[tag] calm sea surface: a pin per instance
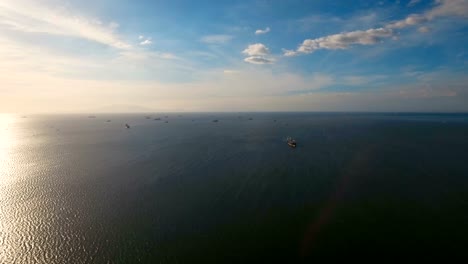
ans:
(78, 189)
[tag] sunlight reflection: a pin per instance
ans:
(6, 171)
(6, 145)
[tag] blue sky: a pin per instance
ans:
(256, 55)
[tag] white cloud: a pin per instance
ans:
(343, 40)
(257, 49)
(289, 53)
(32, 17)
(216, 39)
(413, 2)
(146, 42)
(258, 54)
(259, 60)
(262, 31)
(411, 20)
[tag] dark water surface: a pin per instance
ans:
(75, 189)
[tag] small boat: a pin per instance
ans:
(147, 117)
(127, 125)
(291, 142)
(108, 120)
(216, 121)
(250, 118)
(166, 122)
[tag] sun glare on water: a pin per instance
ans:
(6, 163)
(6, 145)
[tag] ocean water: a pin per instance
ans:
(79, 189)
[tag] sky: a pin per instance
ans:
(253, 55)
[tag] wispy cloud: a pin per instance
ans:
(216, 39)
(239, 82)
(34, 40)
(355, 80)
(146, 42)
(449, 8)
(443, 8)
(262, 31)
(230, 71)
(29, 16)
(361, 19)
(24, 61)
(258, 54)
(424, 29)
(342, 40)
(411, 20)
(413, 2)
(142, 55)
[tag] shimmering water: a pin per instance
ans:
(75, 189)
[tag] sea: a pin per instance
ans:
(183, 188)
